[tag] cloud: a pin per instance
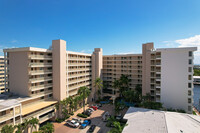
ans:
(14, 41)
(187, 42)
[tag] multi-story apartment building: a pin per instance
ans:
(116, 65)
(2, 75)
(38, 78)
(165, 73)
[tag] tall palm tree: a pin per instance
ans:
(76, 101)
(99, 84)
(71, 103)
(8, 129)
(124, 84)
(84, 92)
(26, 124)
(116, 85)
(33, 123)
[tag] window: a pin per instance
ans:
(189, 92)
(189, 100)
(189, 69)
(189, 108)
(189, 77)
(189, 85)
(190, 53)
(190, 61)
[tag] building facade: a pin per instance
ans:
(2, 76)
(38, 78)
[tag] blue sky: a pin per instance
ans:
(117, 26)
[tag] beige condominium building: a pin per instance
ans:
(38, 78)
(165, 73)
(2, 76)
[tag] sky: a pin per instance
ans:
(117, 26)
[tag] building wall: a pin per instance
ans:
(116, 65)
(59, 69)
(18, 64)
(2, 79)
(175, 78)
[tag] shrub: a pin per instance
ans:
(194, 113)
(59, 120)
(72, 113)
(82, 115)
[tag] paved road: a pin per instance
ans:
(95, 117)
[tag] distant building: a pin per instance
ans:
(196, 80)
(141, 120)
(2, 76)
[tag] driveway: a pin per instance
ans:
(96, 118)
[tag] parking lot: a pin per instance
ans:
(96, 119)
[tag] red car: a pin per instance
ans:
(94, 107)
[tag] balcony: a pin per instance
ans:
(78, 75)
(38, 72)
(9, 115)
(42, 93)
(78, 80)
(40, 57)
(35, 80)
(78, 86)
(40, 65)
(46, 117)
(38, 87)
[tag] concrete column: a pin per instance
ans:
(146, 67)
(14, 115)
(59, 69)
(97, 66)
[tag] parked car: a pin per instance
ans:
(87, 112)
(105, 116)
(90, 110)
(85, 123)
(94, 107)
(72, 123)
(92, 128)
(78, 120)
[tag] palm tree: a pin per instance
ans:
(117, 127)
(71, 103)
(33, 123)
(99, 84)
(8, 129)
(124, 83)
(48, 128)
(26, 124)
(76, 101)
(19, 128)
(84, 92)
(116, 85)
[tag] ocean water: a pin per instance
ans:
(196, 97)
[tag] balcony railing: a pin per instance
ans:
(39, 64)
(42, 93)
(34, 80)
(41, 86)
(39, 57)
(40, 72)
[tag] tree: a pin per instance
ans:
(84, 92)
(124, 84)
(8, 129)
(33, 123)
(117, 127)
(99, 84)
(20, 128)
(48, 128)
(71, 103)
(116, 84)
(118, 107)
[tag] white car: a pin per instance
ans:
(91, 109)
(73, 123)
(78, 120)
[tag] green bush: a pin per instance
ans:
(59, 120)
(194, 113)
(152, 105)
(82, 115)
(71, 113)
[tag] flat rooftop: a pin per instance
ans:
(142, 120)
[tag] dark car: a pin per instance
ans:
(92, 128)
(87, 112)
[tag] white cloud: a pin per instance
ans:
(191, 42)
(14, 41)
